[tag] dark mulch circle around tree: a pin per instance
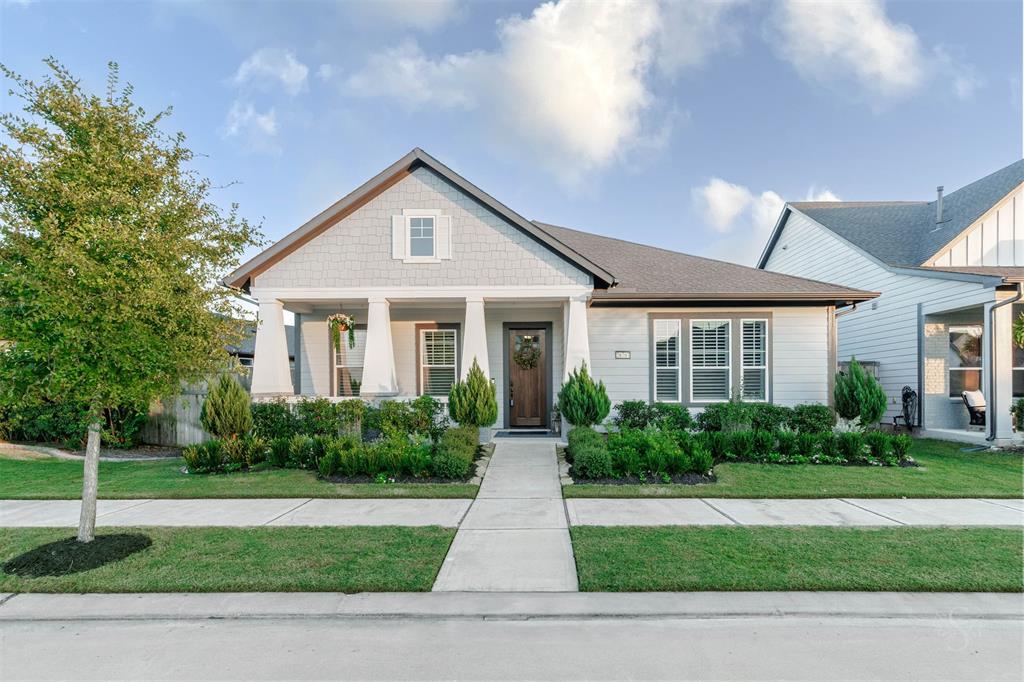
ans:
(65, 557)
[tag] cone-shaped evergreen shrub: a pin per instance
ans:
(581, 401)
(226, 411)
(473, 402)
(858, 395)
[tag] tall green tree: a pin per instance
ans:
(110, 248)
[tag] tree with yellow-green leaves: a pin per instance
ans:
(110, 249)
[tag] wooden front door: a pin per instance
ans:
(527, 377)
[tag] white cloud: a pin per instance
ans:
(325, 72)
(569, 85)
(840, 44)
(257, 130)
(425, 15)
(744, 219)
(691, 31)
(271, 66)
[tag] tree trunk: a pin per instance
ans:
(90, 484)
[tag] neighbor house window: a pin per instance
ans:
(437, 361)
(755, 359)
(348, 365)
(710, 372)
(1018, 359)
(964, 359)
(666, 356)
(421, 237)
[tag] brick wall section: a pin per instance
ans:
(939, 410)
(486, 250)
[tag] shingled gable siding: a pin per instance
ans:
(884, 330)
(798, 346)
(486, 250)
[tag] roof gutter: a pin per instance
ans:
(990, 424)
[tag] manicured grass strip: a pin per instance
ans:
(804, 558)
(52, 479)
(945, 471)
(380, 559)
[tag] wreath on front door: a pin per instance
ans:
(527, 353)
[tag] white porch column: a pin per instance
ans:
(270, 372)
(474, 338)
(1003, 389)
(577, 342)
(379, 361)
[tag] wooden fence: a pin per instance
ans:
(175, 420)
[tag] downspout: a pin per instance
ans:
(991, 408)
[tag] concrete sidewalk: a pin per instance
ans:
(521, 495)
(516, 535)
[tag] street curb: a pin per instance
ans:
(511, 606)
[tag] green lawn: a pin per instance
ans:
(350, 559)
(808, 558)
(945, 471)
(62, 479)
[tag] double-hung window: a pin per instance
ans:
(348, 365)
(754, 379)
(437, 361)
(666, 354)
(964, 359)
(421, 237)
(710, 360)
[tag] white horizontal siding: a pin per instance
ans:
(612, 329)
(800, 372)
(883, 330)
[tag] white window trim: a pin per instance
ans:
(423, 356)
(728, 365)
(679, 357)
(407, 215)
(767, 352)
(981, 383)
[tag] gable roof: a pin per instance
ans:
(623, 271)
(242, 277)
(649, 273)
(904, 233)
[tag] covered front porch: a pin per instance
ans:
(413, 343)
(971, 349)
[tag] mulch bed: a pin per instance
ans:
(65, 557)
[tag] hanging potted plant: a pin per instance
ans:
(340, 323)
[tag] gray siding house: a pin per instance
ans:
(437, 274)
(949, 272)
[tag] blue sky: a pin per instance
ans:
(680, 124)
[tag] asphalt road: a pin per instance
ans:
(757, 647)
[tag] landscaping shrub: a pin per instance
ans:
(579, 437)
(879, 445)
(768, 416)
(901, 446)
(639, 414)
(233, 451)
(428, 417)
(350, 413)
(859, 396)
(670, 416)
(656, 452)
(446, 465)
(275, 419)
(301, 452)
(455, 451)
(701, 461)
(763, 444)
(317, 417)
(395, 418)
(279, 450)
(255, 449)
(807, 444)
(734, 415)
(68, 424)
(329, 463)
(371, 423)
(788, 443)
(473, 402)
(715, 443)
(741, 445)
(626, 450)
(203, 458)
(812, 418)
(828, 444)
(226, 411)
(590, 458)
(851, 447)
(581, 401)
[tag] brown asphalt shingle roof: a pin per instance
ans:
(651, 273)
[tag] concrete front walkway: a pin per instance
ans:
(515, 537)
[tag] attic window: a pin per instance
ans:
(421, 237)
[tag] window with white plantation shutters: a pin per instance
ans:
(348, 365)
(437, 361)
(709, 360)
(666, 359)
(755, 359)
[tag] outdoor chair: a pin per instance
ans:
(975, 402)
